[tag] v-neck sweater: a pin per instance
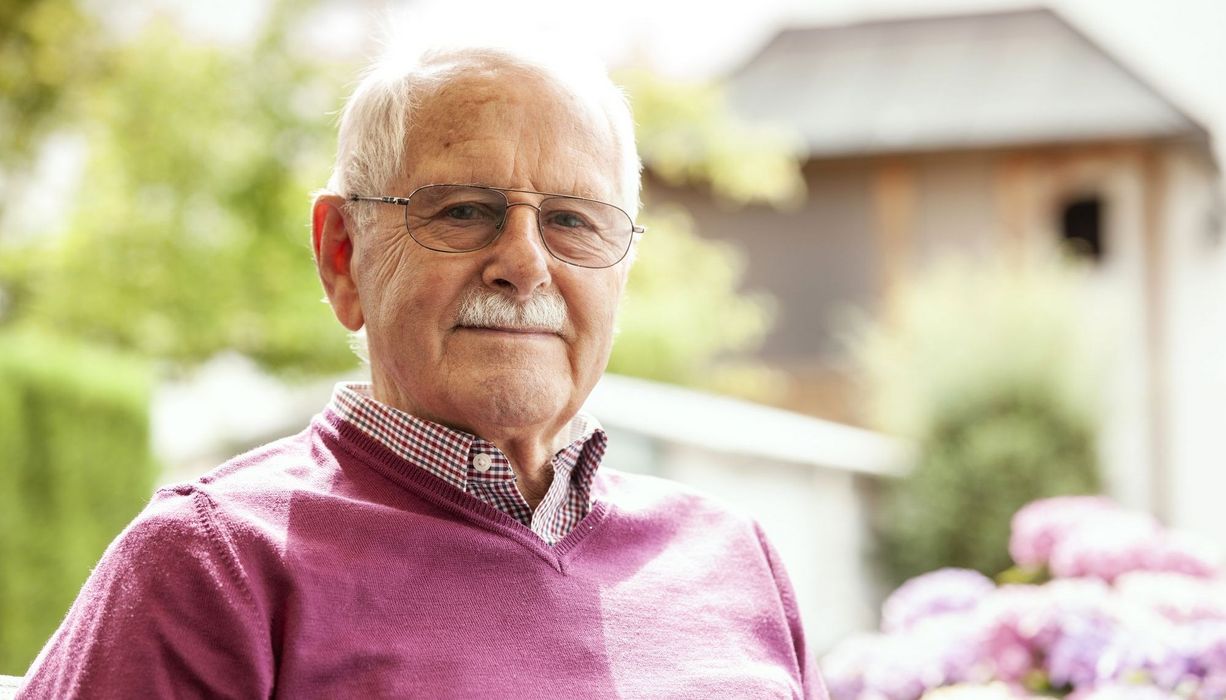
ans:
(324, 565)
(477, 466)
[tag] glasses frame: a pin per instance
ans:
(635, 230)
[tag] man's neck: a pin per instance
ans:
(533, 464)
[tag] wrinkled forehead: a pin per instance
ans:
(510, 126)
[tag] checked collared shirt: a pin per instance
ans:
(477, 467)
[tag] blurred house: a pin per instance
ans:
(1001, 133)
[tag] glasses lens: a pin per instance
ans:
(454, 218)
(585, 232)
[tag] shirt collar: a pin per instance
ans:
(457, 457)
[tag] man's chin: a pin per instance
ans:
(480, 351)
(508, 398)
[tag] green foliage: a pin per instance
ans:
(683, 316)
(46, 46)
(991, 370)
(686, 134)
(686, 319)
(74, 433)
(189, 234)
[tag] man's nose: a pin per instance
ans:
(519, 262)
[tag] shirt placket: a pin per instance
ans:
(545, 519)
(491, 478)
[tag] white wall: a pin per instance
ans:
(815, 518)
(1196, 316)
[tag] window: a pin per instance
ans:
(1081, 227)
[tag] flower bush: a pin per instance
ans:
(1103, 604)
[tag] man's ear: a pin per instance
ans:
(332, 243)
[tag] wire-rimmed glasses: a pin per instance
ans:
(463, 218)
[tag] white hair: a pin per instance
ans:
(378, 117)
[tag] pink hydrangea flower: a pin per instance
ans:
(1121, 691)
(875, 666)
(1156, 652)
(979, 691)
(1213, 687)
(1175, 596)
(937, 652)
(1134, 613)
(1073, 659)
(1038, 526)
(951, 647)
(1113, 543)
(1183, 553)
(935, 593)
(1205, 647)
(845, 666)
(1106, 545)
(1024, 623)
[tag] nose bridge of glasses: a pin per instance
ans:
(530, 205)
(506, 214)
(533, 228)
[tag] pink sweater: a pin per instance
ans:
(323, 565)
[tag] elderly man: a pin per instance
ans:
(449, 530)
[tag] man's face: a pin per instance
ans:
(511, 131)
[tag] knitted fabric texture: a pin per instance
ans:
(324, 565)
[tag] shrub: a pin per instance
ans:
(989, 370)
(74, 432)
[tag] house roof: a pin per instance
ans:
(1007, 78)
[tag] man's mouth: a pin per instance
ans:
(518, 330)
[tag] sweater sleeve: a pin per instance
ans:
(811, 679)
(167, 612)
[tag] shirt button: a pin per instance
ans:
(483, 462)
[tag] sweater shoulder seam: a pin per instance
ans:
(223, 547)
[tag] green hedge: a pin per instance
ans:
(74, 437)
(979, 465)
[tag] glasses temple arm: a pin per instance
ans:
(403, 201)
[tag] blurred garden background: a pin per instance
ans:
(910, 266)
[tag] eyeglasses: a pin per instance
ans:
(464, 218)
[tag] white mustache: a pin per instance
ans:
(485, 308)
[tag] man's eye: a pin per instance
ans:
(567, 219)
(467, 212)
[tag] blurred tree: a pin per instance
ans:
(991, 370)
(188, 235)
(46, 48)
(687, 135)
(685, 319)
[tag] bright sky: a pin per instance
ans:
(1177, 45)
